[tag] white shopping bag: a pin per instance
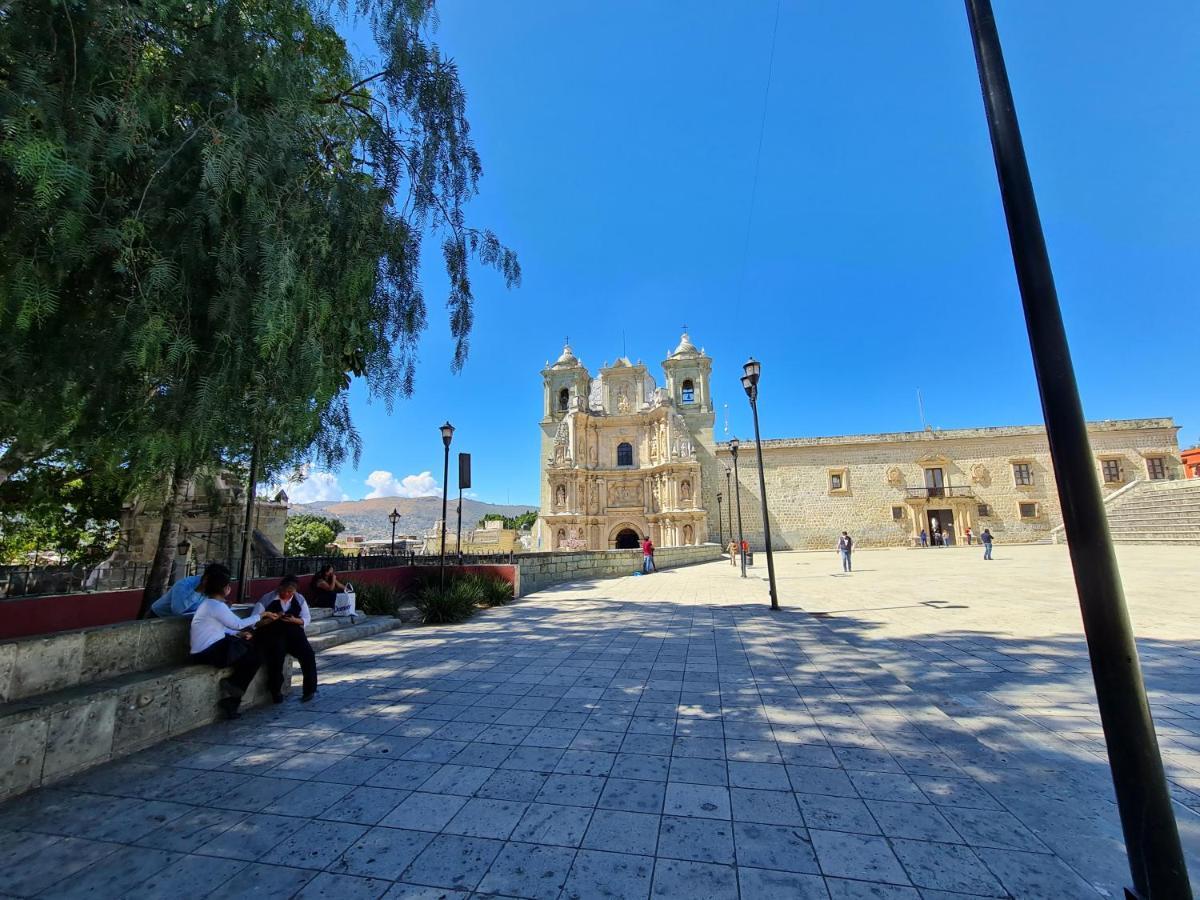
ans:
(343, 602)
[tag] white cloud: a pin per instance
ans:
(309, 486)
(385, 484)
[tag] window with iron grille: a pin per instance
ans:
(984, 510)
(897, 512)
(624, 454)
(1156, 467)
(1028, 510)
(1111, 469)
(1022, 474)
(835, 482)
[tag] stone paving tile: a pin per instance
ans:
(702, 840)
(188, 876)
(1035, 876)
(191, 830)
(633, 795)
(841, 889)
(857, 856)
(699, 771)
(622, 832)
(315, 845)
(702, 800)
(545, 823)
(776, 847)
(382, 853)
(838, 814)
(364, 805)
(453, 861)
(694, 880)
(946, 867)
(257, 881)
(327, 886)
(531, 871)
(116, 874)
(251, 837)
(763, 884)
(308, 800)
(596, 873)
(765, 807)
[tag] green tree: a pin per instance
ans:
(516, 523)
(211, 220)
(310, 535)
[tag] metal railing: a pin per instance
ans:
(935, 492)
(30, 581)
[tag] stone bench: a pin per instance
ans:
(71, 700)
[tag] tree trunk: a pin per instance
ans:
(168, 539)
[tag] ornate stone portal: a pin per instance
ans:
(623, 458)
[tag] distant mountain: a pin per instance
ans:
(417, 514)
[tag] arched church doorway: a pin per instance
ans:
(627, 539)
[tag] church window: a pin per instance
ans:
(1156, 468)
(1023, 474)
(564, 400)
(624, 454)
(689, 391)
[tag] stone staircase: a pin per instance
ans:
(324, 631)
(1156, 512)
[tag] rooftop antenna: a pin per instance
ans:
(921, 410)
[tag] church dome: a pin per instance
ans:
(685, 348)
(567, 360)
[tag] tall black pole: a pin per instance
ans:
(737, 487)
(393, 536)
(442, 556)
(762, 489)
(720, 521)
(729, 494)
(1151, 835)
(458, 539)
(248, 526)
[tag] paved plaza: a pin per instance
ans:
(923, 727)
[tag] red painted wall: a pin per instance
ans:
(28, 616)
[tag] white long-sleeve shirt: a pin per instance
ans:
(261, 606)
(213, 620)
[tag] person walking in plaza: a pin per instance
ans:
(284, 636)
(968, 535)
(945, 538)
(924, 538)
(845, 546)
(219, 638)
(732, 548)
(986, 540)
(647, 556)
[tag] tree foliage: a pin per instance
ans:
(211, 220)
(516, 523)
(310, 535)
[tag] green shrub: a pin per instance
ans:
(495, 591)
(443, 607)
(377, 599)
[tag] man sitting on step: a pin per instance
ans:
(284, 636)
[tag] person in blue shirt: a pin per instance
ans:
(186, 594)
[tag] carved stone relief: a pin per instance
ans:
(895, 477)
(625, 494)
(980, 474)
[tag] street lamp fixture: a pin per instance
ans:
(734, 443)
(751, 371)
(447, 433)
(394, 517)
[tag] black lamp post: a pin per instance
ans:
(729, 494)
(447, 434)
(752, 370)
(720, 521)
(734, 443)
(1151, 835)
(394, 517)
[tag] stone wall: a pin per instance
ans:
(539, 570)
(881, 473)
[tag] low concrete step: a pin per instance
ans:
(364, 627)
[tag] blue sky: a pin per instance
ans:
(619, 143)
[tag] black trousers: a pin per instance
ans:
(245, 659)
(279, 639)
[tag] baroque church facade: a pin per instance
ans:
(622, 458)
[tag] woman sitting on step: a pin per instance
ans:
(285, 635)
(219, 638)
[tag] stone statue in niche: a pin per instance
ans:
(594, 498)
(685, 490)
(654, 444)
(623, 404)
(593, 455)
(560, 496)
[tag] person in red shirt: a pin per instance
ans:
(647, 556)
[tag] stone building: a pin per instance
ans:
(885, 488)
(623, 458)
